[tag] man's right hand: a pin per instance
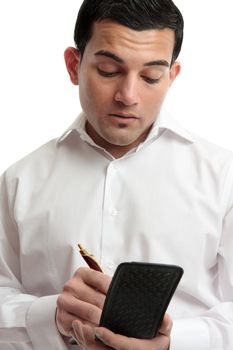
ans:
(82, 299)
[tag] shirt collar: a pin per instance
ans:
(164, 122)
(79, 126)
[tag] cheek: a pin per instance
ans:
(154, 99)
(94, 94)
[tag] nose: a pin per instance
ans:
(127, 91)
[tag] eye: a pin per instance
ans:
(107, 74)
(150, 80)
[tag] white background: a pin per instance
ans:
(38, 102)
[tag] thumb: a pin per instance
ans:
(166, 325)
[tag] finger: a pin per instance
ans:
(114, 341)
(95, 279)
(64, 322)
(117, 341)
(166, 325)
(77, 332)
(73, 307)
(88, 285)
(79, 289)
(90, 295)
(85, 335)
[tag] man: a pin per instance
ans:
(129, 183)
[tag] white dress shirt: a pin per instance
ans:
(170, 200)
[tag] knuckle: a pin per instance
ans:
(64, 301)
(93, 315)
(102, 282)
(100, 301)
(60, 301)
(69, 285)
(81, 272)
(60, 316)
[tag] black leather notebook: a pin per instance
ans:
(138, 297)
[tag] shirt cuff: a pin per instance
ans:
(189, 334)
(41, 325)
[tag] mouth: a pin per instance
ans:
(124, 116)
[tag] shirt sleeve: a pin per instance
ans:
(214, 329)
(191, 334)
(25, 319)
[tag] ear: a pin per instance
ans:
(72, 60)
(174, 71)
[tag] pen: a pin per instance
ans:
(90, 259)
(93, 264)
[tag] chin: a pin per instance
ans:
(119, 142)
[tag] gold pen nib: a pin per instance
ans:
(82, 250)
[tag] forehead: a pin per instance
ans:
(108, 35)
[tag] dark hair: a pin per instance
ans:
(135, 14)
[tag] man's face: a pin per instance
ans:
(123, 78)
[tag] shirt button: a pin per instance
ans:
(113, 212)
(111, 265)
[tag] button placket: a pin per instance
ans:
(111, 194)
(111, 212)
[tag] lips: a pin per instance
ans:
(124, 115)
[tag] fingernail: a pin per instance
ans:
(98, 337)
(73, 341)
(75, 337)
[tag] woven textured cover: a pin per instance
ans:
(138, 298)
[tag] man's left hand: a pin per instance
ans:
(86, 336)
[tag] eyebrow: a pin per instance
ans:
(121, 61)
